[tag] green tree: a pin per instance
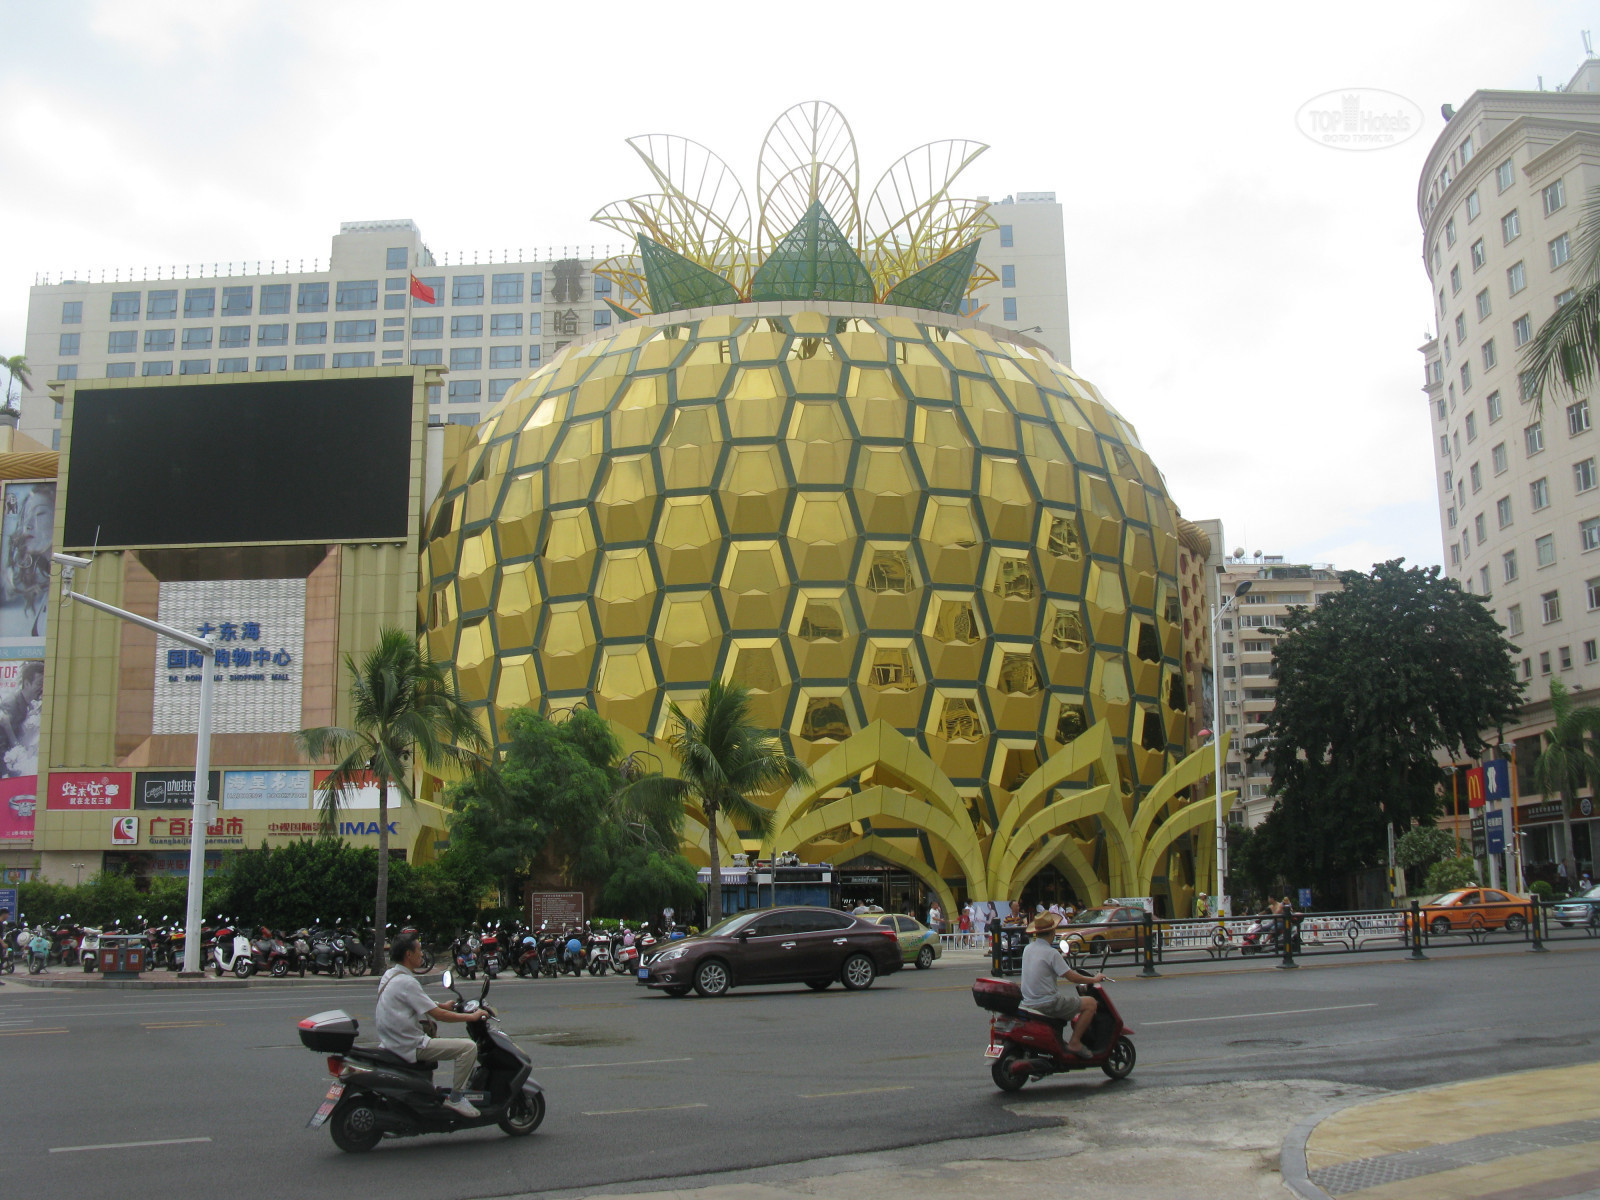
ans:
(1565, 354)
(1423, 846)
(1568, 760)
(1373, 684)
(1448, 874)
(404, 708)
(643, 881)
(16, 369)
(724, 762)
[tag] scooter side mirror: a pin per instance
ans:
(448, 980)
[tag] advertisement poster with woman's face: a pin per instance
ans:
(27, 537)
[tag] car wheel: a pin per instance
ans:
(1097, 946)
(819, 985)
(711, 978)
(924, 958)
(1004, 1077)
(1439, 927)
(858, 973)
(354, 1126)
(1516, 923)
(677, 990)
(1123, 1056)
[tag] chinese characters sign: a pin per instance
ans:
(266, 789)
(169, 789)
(258, 627)
(78, 791)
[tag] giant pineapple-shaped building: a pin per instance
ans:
(940, 560)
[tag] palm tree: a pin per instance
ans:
(15, 367)
(404, 708)
(1566, 350)
(1569, 759)
(723, 762)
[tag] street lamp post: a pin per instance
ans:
(202, 756)
(1219, 723)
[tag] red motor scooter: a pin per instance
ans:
(1027, 1046)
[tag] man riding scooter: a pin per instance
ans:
(403, 1007)
(1042, 966)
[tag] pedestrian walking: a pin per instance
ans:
(935, 918)
(1561, 875)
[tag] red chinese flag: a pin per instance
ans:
(421, 290)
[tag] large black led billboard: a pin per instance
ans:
(275, 461)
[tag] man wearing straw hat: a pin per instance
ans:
(1042, 966)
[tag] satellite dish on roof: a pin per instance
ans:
(1239, 553)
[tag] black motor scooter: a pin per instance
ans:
(376, 1094)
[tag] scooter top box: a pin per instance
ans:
(996, 995)
(331, 1032)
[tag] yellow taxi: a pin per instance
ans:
(1475, 908)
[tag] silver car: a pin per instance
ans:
(1582, 909)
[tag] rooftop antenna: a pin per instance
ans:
(1588, 46)
(1541, 83)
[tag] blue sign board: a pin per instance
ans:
(8, 903)
(1305, 899)
(1495, 829)
(1496, 781)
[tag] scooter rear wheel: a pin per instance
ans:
(524, 1114)
(280, 969)
(1123, 1056)
(354, 1126)
(1005, 1078)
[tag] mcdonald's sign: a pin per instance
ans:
(1475, 791)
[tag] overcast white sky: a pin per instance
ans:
(1250, 300)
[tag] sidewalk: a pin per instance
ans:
(1534, 1135)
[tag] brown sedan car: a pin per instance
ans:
(814, 946)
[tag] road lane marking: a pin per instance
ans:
(1282, 1012)
(149, 1025)
(28, 1032)
(617, 1112)
(638, 1062)
(128, 1145)
(853, 1092)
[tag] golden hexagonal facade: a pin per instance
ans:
(863, 512)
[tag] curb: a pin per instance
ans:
(1292, 1158)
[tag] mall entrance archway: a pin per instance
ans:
(871, 881)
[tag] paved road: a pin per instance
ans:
(645, 1087)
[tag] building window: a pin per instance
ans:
(232, 366)
(1479, 254)
(272, 335)
(1455, 442)
(1476, 477)
(67, 344)
(1508, 565)
(199, 303)
(427, 358)
(1474, 207)
(1005, 237)
(353, 358)
(1483, 580)
(312, 298)
(393, 355)
(466, 391)
(1008, 308)
(310, 333)
(498, 389)
(1578, 418)
(122, 370)
(1516, 278)
(195, 366)
(535, 323)
(436, 282)
(395, 258)
(1583, 475)
(66, 371)
(1565, 298)
(602, 318)
(1554, 197)
(461, 419)
(394, 335)
(1544, 549)
(356, 295)
(427, 328)
(1521, 331)
(1439, 407)
(238, 301)
(508, 289)
(466, 327)
(1444, 445)
(1503, 176)
(234, 337)
(1493, 404)
(158, 368)
(1592, 586)
(1550, 604)
(1533, 438)
(394, 301)
(1502, 512)
(124, 306)
(1564, 657)
(1450, 515)
(1472, 428)
(161, 305)
(1481, 527)
(1589, 534)
(1539, 489)
(1483, 304)
(466, 358)
(534, 354)
(274, 299)
(466, 289)
(1544, 662)
(158, 341)
(1461, 328)
(1560, 252)
(122, 342)
(536, 286)
(1455, 280)
(1510, 226)
(197, 339)
(505, 324)
(1466, 378)
(1008, 276)
(1450, 232)
(1591, 649)
(355, 331)
(504, 357)
(72, 312)
(1514, 620)
(1498, 458)
(1455, 555)
(309, 362)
